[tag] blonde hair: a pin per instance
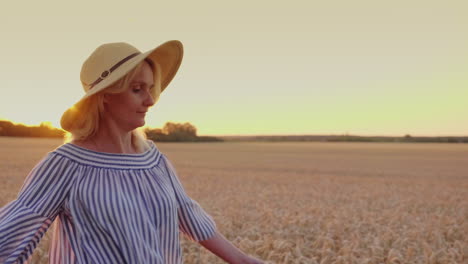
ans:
(82, 120)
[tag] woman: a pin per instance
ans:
(114, 196)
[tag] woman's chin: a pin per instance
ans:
(135, 125)
(141, 123)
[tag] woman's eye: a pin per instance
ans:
(136, 89)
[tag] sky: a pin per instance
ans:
(371, 68)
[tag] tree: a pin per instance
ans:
(185, 129)
(173, 132)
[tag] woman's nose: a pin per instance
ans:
(149, 101)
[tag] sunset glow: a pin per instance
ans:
(297, 67)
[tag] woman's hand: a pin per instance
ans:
(224, 249)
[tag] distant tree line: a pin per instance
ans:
(186, 132)
(346, 138)
(406, 138)
(171, 132)
(45, 129)
(177, 132)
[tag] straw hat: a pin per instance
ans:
(111, 61)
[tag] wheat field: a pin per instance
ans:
(309, 202)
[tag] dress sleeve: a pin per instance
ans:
(25, 220)
(193, 220)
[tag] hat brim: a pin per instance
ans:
(168, 55)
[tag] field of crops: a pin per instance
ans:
(309, 202)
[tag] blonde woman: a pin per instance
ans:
(114, 196)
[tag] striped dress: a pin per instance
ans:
(108, 208)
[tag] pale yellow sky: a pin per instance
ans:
(255, 67)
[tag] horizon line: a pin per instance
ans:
(330, 134)
(266, 135)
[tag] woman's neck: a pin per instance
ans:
(113, 139)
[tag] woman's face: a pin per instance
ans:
(128, 108)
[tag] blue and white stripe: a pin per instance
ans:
(107, 208)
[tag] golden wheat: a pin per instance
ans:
(309, 202)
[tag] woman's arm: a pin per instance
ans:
(199, 226)
(25, 220)
(224, 249)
